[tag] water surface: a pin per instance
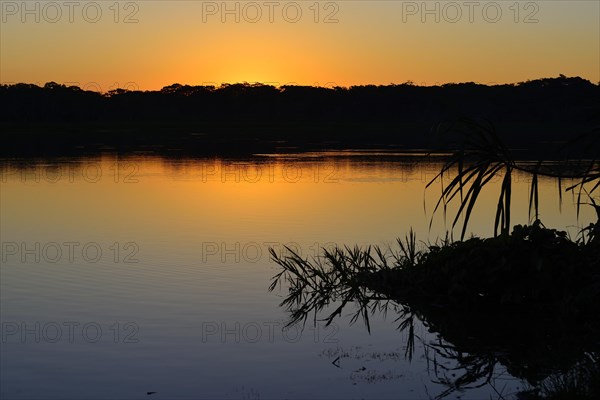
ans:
(127, 275)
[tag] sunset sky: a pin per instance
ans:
(151, 44)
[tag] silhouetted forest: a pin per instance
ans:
(257, 117)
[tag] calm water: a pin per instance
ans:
(122, 276)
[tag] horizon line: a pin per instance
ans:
(132, 86)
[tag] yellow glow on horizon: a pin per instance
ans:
(368, 43)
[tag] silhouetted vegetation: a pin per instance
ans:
(528, 299)
(480, 155)
(256, 117)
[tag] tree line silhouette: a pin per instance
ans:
(529, 112)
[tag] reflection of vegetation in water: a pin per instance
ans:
(582, 381)
(528, 300)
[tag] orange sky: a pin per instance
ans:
(151, 44)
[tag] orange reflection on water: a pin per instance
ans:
(344, 199)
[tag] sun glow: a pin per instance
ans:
(364, 43)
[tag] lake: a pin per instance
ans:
(123, 276)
